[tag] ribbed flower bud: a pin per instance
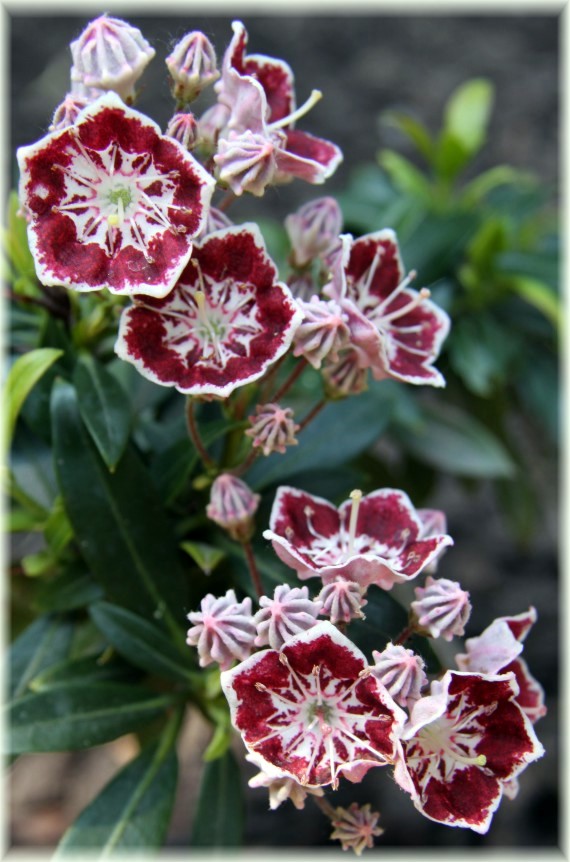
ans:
(272, 428)
(289, 612)
(223, 630)
(232, 506)
(345, 376)
(184, 129)
(313, 229)
(401, 671)
(192, 66)
(342, 601)
(322, 332)
(67, 112)
(355, 827)
(246, 162)
(442, 608)
(110, 55)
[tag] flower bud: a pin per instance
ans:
(401, 671)
(67, 112)
(289, 612)
(272, 428)
(442, 608)
(110, 55)
(184, 129)
(355, 827)
(223, 630)
(322, 331)
(246, 161)
(342, 601)
(345, 376)
(232, 506)
(313, 229)
(192, 66)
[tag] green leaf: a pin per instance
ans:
(16, 239)
(104, 408)
(118, 521)
(76, 716)
(73, 589)
(482, 353)
(467, 113)
(219, 817)
(44, 643)
(474, 192)
(405, 175)
(140, 642)
(451, 156)
(541, 296)
(58, 531)
(205, 556)
(23, 376)
(38, 564)
(133, 810)
(540, 265)
(80, 670)
(413, 129)
(451, 440)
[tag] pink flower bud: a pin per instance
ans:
(342, 601)
(322, 332)
(288, 613)
(184, 129)
(355, 827)
(223, 630)
(67, 112)
(272, 428)
(232, 506)
(246, 161)
(192, 66)
(345, 376)
(313, 229)
(401, 671)
(442, 608)
(110, 55)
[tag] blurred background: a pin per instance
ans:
(505, 524)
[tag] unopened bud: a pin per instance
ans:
(232, 506)
(192, 66)
(67, 112)
(313, 229)
(184, 129)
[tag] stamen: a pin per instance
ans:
(424, 293)
(315, 97)
(356, 497)
(403, 284)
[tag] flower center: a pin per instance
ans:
(442, 741)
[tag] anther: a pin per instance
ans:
(356, 497)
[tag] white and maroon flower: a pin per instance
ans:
(225, 322)
(370, 540)
(401, 671)
(463, 746)
(342, 600)
(110, 54)
(223, 629)
(442, 608)
(272, 428)
(322, 332)
(288, 613)
(112, 203)
(355, 827)
(232, 506)
(313, 229)
(399, 330)
(498, 648)
(192, 66)
(312, 711)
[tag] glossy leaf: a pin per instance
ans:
(21, 379)
(205, 556)
(413, 129)
(104, 408)
(132, 811)
(405, 176)
(76, 716)
(74, 588)
(45, 642)
(467, 113)
(140, 642)
(89, 669)
(541, 296)
(219, 817)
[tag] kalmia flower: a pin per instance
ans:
(232, 506)
(246, 162)
(342, 601)
(498, 648)
(225, 322)
(110, 202)
(192, 66)
(223, 630)
(346, 376)
(401, 671)
(110, 55)
(68, 111)
(369, 540)
(463, 746)
(312, 710)
(288, 613)
(434, 523)
(281, 788)
(442, 608)
(272, 428)
(355, 827)
(313, 229)
(184, 129)
(321, 333)
(399, 331)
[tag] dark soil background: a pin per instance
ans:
(364, 64)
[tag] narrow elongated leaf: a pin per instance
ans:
(44, 643)
(118, 521)
(413, 129)
(73, 589)
(78, 716)
(81, 670)
(23, 376)
(219, 818)
(405, 176)
(141, 642)
(104, 408)
(468, 111)
(132, 811)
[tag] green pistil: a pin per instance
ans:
(122, 195)
(320, 710)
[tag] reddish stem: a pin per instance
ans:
(325, 806)
(312, 413)
(406, 632)
(249, 556)
(286, 386)
(195, 434)
(226, 202)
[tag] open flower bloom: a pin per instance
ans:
(498, 648)
(111, 202)
(225, 322)
(312, 711)
(369, 540)
(399, 330)
(254, 122)
(464, 744)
